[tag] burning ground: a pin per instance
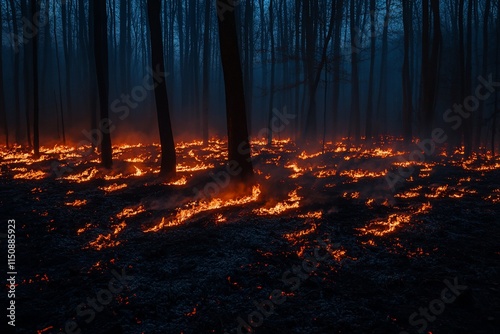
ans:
(196, 266)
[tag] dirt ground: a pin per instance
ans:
(350, 256)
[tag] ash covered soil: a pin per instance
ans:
(382, 255)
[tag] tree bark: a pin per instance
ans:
(206, 74)
(3, 112)
(373, 45)
(101, 60)
(36, 135)
(168, 159)
(406, 81)
(238, 139)
(354, 128)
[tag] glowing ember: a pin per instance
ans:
(29, 175)
(84, 176)
(106, 241)
(291, 203)
(305, 156)
(194, 208)
(41, 331)
(184, 168)
(180, 182)
(130, 212)
(113, 187)
(392, 223)
(314, 214)
(412, 193)
(220, 218)
(438, 192)
(138, 172)
(77, 203)
(353, 195)
(296, 235)
(84, 229)
(359, 174)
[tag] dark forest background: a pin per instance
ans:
(357, 68)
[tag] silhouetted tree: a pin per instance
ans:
(206, 73)
(431, 52)
(373, 49)
(238, 139)
(101, 60)
(354, 127)
(382, 87)
(168, 161)
(406, 81)
(3, 112)
(36, 137)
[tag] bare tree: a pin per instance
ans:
(101, 60)
(406, 81)
(168, 161)
(3, 112)
(238, 139)
(206, 73)
(36, 136)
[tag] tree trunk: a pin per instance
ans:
(354, 128)
(36, 139)
(273, 73)
(101, 60)
(16, 44)
(206, 73)
(486, 40)
(468, 140)
(238, 140)
(373, 46)
(430, 63)
(406, 81)
(337, 59)
(3, 112)
(26, 72)
(59, 80)
(168, 159)
(67, 57)
(382, 93)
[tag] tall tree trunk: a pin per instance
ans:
(92, 71)
(238, 140)
(468, 140)
(36, 139)
(486, 50)
(206, 73)
(337, 60)
(431, 54)
(3, 111)
(273, 73)
(59, 80)
(168, 159)
(354, 128)
(16, 44)
(382, 93)
(27, 66)
(124, 31)
(373, 48)
(101, 60)
(249, 56)
(67, 57)
(406, 81)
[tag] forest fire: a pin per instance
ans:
(194, 208)
(291, 203)
(267, 166)
(107, 241)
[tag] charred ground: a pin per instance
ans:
(390, 252)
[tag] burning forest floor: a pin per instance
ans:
(205, 266)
